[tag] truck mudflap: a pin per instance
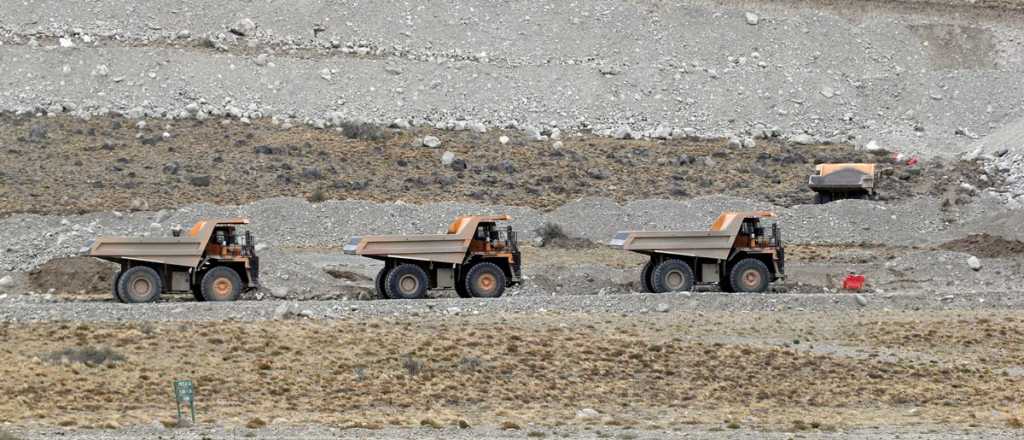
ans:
(254, 272)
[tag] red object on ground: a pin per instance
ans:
(912, 161)
(853, 282)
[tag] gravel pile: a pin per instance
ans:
(908, 79)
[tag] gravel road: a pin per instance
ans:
(30, 309)
(910, 78)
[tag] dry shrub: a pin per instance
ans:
(86, 355)
(363, 131)
(412, 365)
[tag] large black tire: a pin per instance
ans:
(221, 284)
(485, 280)
(672, 276)
(117, 277)
(407, 281)
(750, 275)
(645, 277)
(197, 292)
(378, 283)
(139, 284)
(460, 288)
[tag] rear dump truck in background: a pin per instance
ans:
(837, 181)
(476, 257)
(741, 253)
(214, 260)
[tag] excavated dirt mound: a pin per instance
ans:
(985, 246)
(64, 165)
(73, 275)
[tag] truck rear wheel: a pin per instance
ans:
(460, 288)
(645, 277)
(378, 283)
(139, 284)
(750, 275)
(117, 277)
(672, 276)
(485, 280)
(221, 284)
(407, 281)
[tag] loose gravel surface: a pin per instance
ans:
(913, 76)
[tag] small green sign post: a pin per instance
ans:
(184, 393)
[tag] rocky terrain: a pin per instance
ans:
(322, 120)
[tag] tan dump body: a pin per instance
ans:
(186, 251)
(715, 243)
(442, 248)
(843, 176)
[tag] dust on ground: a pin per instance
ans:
(765, 370)
(63, 165)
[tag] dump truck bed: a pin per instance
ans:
(442, 248)
(445, 248)
(176, 251)
(844, 176)
(707, 244)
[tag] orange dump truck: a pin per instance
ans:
(836, 181)
(476, 257)
(215, 261)
(740, 253)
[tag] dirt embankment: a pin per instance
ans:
(64, 165)
(986, 246)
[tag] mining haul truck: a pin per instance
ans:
(214, 261)
(836, 181)
(739, 253)
(476, 257)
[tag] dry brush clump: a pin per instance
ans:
(88, 355)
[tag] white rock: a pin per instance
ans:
(243, 27)
(478, 127)
(802, 139)
(974, 263)
(503, 140)
(262, 59)
(66, 42)
(557, 145)
(279, 292)
(431, 142)
(6, 282)
(828, 92)
(447, 158)
(872, 146)
(587, 413)
(861, 300)
(402, 124)
(102, 70)
(622, 132)
(662, 308)
(752, 18)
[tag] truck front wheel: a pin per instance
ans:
(221, 284)
(485, 280)
(672, 276)
(407, 281)
(139, 284)
(750, 275)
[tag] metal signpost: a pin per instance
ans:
(184, 393)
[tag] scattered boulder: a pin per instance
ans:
(974, 263)
(503, 140)
(662, 308)
(447, 158)
(622, 132)
(802, 139)
(861, 300)
(597, 173)
(587, 414)
(6, 282)
(243, 27)
(431, 142)
(752, 18)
